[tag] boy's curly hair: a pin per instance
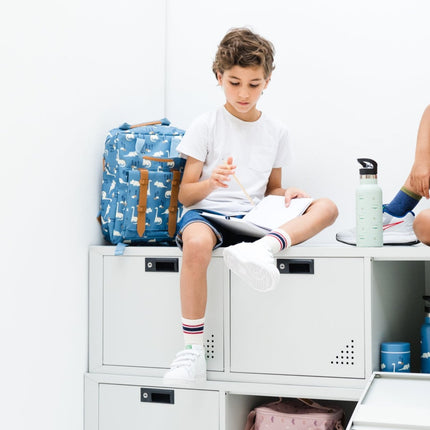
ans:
(242, 47)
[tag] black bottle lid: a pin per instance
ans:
(370, 167)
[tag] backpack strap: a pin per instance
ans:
(141, 208)
(173, 207)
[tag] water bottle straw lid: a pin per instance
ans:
(370, 167)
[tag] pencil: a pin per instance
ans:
(242, 187)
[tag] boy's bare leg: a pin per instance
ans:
(189, 365)
(320, 214)
(198, 243)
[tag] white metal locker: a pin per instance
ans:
(141, 312)
(129, 407)
(311, 325)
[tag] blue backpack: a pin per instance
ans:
(141, 175)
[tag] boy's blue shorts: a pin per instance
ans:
(224, 237)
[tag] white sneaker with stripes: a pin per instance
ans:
(396, 231)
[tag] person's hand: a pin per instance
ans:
(222, 174)
(293, 193)
(420, 178)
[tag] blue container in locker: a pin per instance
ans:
(395, 357)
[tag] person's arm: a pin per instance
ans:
(192, 190)
(274, 187)
(420, 173)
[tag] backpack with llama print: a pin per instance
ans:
(141, 175)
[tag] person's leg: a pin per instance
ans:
(422, 226)
(404, 201)
(198, 239)
(198, 242)
(254, 262)
(320, 214)
(412, 191)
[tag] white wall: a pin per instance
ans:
(70, 71)
(352, 80)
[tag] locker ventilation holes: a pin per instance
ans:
(210, 346)
(345, 357)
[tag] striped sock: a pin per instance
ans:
(193, 331)
(276, 240)
(404, 201)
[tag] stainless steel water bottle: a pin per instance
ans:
(425, 338)
(368, 204)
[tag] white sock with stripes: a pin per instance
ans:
(275, 241)
(193, 331)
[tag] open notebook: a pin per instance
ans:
(268, 214)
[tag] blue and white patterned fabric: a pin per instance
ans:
(125, 149)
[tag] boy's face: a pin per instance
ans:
(242, 88)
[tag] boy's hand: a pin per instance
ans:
(222, 174)
(293, 193)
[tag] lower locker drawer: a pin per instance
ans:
(126, 407)
(311, 325)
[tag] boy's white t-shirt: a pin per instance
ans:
(256, 147)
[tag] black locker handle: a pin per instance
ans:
(296, 266)
(154, 395)
(161, 265)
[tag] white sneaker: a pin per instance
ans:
(189, 365)
(254, 264)
(396, 231)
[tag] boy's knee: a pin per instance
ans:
(197, 248)
(422, 226)
(329, 209)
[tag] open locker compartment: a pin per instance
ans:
(393, 401)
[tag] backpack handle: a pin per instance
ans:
(163, 121)
(315, 405)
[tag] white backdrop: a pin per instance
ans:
(352, 80)
(70, 71)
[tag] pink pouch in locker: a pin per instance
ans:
(297, 414)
